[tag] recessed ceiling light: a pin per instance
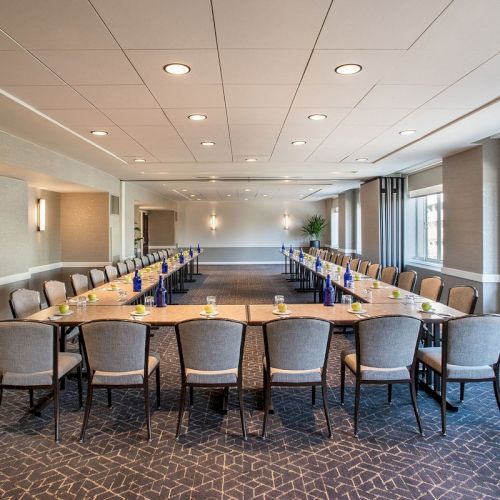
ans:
(250, 159)
(286, 180)
(361, 159)
(197, 117)
(207, 143)
(348, 69)
(198, 199)
(246, 199)
(317, 117)
(139, 160)
(228, 195)
(298, 143)
(407, 132)
(184, 190)
(265, 195)
(335, 172)
(192, 195)
(143, 172)
(177, 69)
(163, 184)
(213, 180)
(99, 132)
(311, 189)
(247, 190)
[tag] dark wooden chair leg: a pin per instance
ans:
(342, 382)
(88, 404)
(462, 391)
(182, 402)
(80, 389)
(32, 402)
(443, 406)
(389, 393)
(191, 396)
(56, 409)
(242, 410)
(109, 398)
(356, 407)
(496, 389)
(267, 399)
(147, 407)
(1, 396)
(158, 385)
(324, 393)
(413, 393)
(313, 395)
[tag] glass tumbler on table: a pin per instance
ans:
(149, 302)
(81, 301)
(347, 299)
(211, 304)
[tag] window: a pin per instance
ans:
(428, 212)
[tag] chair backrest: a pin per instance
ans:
(387, 341)
(389, 275)
(472, 341)
(345, 260)
(463, 298)
(55, 292)
(122, 268)
(210, 345)
(156, 256)
(363, 267)
(355, 264)
(297, 343)
(27, 346)
(24, 303)
(407, 280)
(431, 288)
(373, 270)
(97, 277)
(145, 261)
(151, 258)
(339, 258)
(79, 283)
(115, 345)
(130, 265)
(138, 263)
(312, 251)
(111, 273)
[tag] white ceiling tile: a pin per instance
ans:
(90, 67)
(280, 24)
(204, 64)
(335, 95)
(55, 25)
(263, 67)
(384, 24)
(125, 117)
(254, 140)
(159, 24)
(373, 116)
(24, 69)
(399, 96)
(118, 96)
(7, 44)
(259, 95)
(188, 96)
(49, 96)
(90, 118)
(256, 116)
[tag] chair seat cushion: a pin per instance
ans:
(125, 378)
(373, 373)
(221, 377)
(431, 356)
(280, 375)
(66, 362)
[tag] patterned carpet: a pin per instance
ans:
(389, 460)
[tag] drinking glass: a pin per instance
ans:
(278, 299)
(409, 299)
(368, 295)
(347, 299)
(122, 294)
(81, 301)
(149, 302)
(211, 301)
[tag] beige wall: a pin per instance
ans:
(85, 227)
(161, 228)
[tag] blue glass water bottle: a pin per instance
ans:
(199, 248)
(181, 258)
(301, 256)
(291, 249)
(191, 251)
(347, 276)
(318, 264)
(164, 266)
(161, 294)
(137, 282)
(283, 247)
(328, 292)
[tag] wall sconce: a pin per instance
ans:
(40, 214)
(286, 220)
(213, 222)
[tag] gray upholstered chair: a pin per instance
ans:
(145, 261)
(345, 260)
(117, 355)
(296, 354)
(385, 353)
(156, 256)
(211, 355)
(138, 263)
(355, 264)
(389, 275)
(463, 298)
(339, 258)
(122, 268)
(29, 360)
(373, 271)
(111, 273)
(431, 288)
(470, 352)
(151, 258)
(130, 265)
(363, 267)
(407, 280)
(97, 277)
(79, 283)
(24, 303)
(55, 292)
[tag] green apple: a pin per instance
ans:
(426, 306)
(282, 307)
(396, 294)
(92, 297)
(63, 308)
(376, 284)
(140, 308)
(114, 286)
(357, 277)
(356, 306)
(339, 269)
(128, 280)
(209, 308)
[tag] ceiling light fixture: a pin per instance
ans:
(265, 195)
(361, 159)
(246, 199)
(407, 132)
(348, 69)
(311, 189)
(250, 159)
(197, 117)
(177, 69)
(207, 143)
(228, 195)
(317, 117)
(247, 190)
(139, 160)
(298, 143)
(99, 132)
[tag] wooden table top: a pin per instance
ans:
(159, 316)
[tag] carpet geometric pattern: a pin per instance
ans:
(388, 460)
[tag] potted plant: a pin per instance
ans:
(313, 228)
(137, 241)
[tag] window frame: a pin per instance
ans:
(421, 238)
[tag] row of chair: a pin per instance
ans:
(463, 297)
(117, 356)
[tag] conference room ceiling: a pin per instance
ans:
(259, 69)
